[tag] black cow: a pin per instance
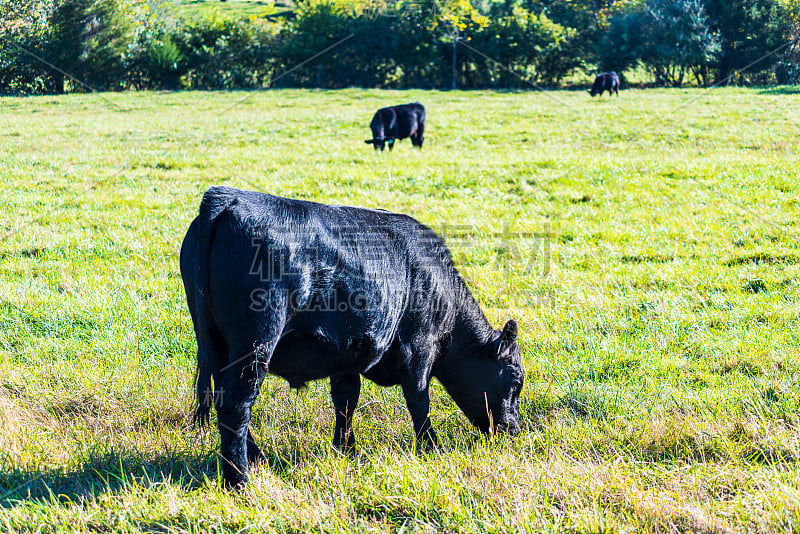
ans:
(607, 81)
(397, 122)
(307, 291)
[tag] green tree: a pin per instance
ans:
(588, 20)
(24, 27)
(88, 39)
(751, 31)
(526, 44)
(456, 20)
(216, 52)
(679, 41)
(622, 42)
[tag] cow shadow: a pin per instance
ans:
(119, 470)
(781, 90)
(102, 474)
(114, 472)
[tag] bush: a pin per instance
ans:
(411, 47)
(529, 45)
(165, 61)
(787, 73)
(218, 52)
(366, 59)
(20, 72)
(24, 29)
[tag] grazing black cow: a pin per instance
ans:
(607, 81)
(307, 291)
(397, 122)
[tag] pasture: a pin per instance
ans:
(242, 9)
(648, 247)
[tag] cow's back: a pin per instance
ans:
(409, 118)
(610, 80)
(338, 282)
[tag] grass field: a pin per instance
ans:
(648, 246)
(243, 9)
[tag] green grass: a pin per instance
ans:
(648, 246)
(243, 9)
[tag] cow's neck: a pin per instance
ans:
(471, 330)
(461, 369)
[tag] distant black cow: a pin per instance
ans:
(607, 81)
(307, 291)
(398, 122)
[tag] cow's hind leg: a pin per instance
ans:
(241, 382)
(344, 392)
(418, 136)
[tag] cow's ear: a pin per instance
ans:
(507, 337)
(510, 331)
(369, 141)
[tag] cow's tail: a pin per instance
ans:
(210, 360)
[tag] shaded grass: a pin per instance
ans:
(647, 246)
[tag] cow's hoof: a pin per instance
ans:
(426, 447)
(235, 483)
(347, 446)
(254, 454)
(427, 443)
(233, 479)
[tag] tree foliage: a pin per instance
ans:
(118, 44)
(751, 31)
(680, 41)
(24, 30)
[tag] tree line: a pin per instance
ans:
(54, 46)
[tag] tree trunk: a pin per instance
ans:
(455, 45)
(59, 79)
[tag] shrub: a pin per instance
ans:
(165, 62)
(219, 52)
(527, 44)
(362, 60)
(24, 29)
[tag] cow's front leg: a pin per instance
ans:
(391, 144)
(240, 389)
(418, 402)
(344, 392)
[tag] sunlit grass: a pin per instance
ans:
(647, 245)
(243, 9)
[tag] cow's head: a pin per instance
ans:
(380, 144)
(489, 383)
(592, 91)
